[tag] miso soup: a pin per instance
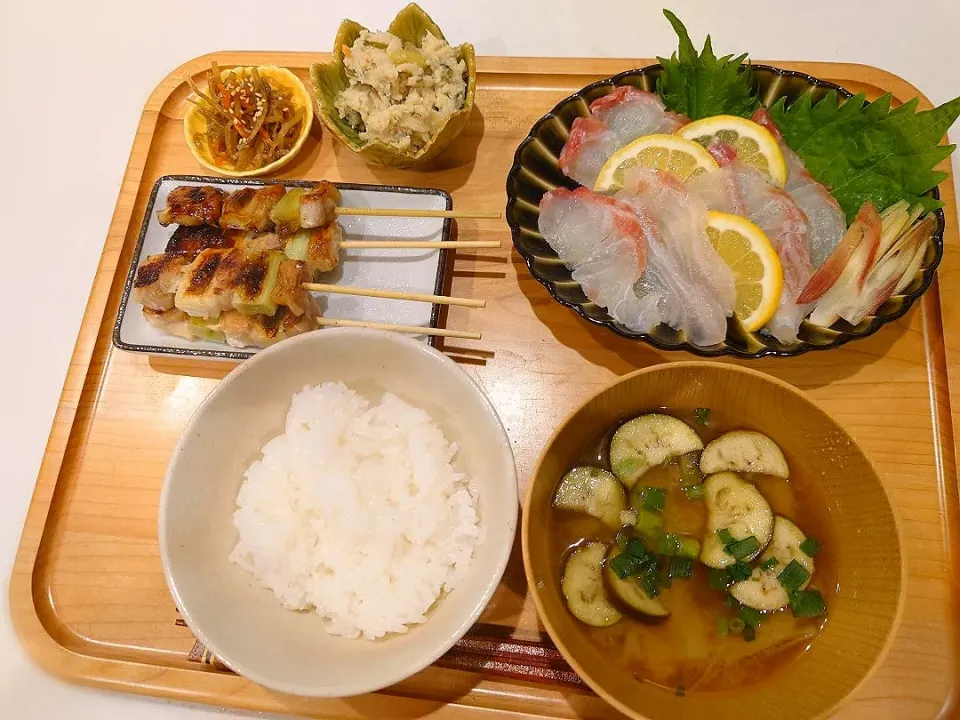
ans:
(637, 578)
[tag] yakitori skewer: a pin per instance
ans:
(285, 210)
(418, 213)
(418, 244)
(413, 329)
(394, 295)
(240, 267)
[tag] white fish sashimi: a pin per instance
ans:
(589, 146)
(827, 220)
(741, 190)
(631, 113)
(828, 223)
(615, 120)
(682, 220)
(693, 287)
(604, 244)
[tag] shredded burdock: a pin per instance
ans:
(251, 120)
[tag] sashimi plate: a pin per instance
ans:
(536, 170)
(410, 270)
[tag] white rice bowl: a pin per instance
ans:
(356, 512)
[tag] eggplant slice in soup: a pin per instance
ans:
(648, 441)
(763, 590)
(629, 592)
(592, 491)
(737, 507)
(583, 589)
(744, 451)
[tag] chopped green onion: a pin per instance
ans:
(654, 498)
(810, 546)
(751, 618)
(636, 548)
(732, 602)
(749, 634)
(681, 567)
(703, 414)
(649, 565)
(664, 579)
(668, 544)
(649, 523)
(725, 537)
(740, 571)
(689, 465)
(718, 579)
(808, 603)
(769, 564)
(736, 626)
(694, 492)
(689, 546)
(621, 540)
(681, 691)
(624, 565)
(678, 545)
(650, 586)
(793, 576)
(743, 548)
(722, 627)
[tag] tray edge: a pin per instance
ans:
(75, 667)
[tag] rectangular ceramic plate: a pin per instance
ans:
(418, 271)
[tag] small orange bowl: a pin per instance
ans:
(864, 543)
(194, 123)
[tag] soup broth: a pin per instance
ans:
(685, 652)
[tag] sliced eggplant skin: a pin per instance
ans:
(762, 591)
(629, 593)
(583, 588)
(744, 451)
(648, 441)
(593, 491)
(736, 505)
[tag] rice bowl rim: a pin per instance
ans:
(505, 535)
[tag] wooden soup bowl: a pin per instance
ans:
(864, 538)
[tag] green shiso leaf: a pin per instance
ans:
(700, 85)
(866, 151)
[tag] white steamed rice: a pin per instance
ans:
(356, 512)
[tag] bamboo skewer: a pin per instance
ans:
(415, 212)
(418, 244)
(394, 295)
(442, 332)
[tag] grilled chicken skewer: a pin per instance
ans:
(272, 206)
(232, 327)
(238, 267)
(222, 279)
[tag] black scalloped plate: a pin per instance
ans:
(535, 171)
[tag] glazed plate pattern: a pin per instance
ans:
(536, 171)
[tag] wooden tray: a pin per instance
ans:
(87, 595)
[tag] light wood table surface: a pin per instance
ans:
(78, 75)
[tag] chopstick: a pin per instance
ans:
(418, 244)
(415, 212)
(394, 295)
(442, 332)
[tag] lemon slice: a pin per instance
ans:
(755, 264)
(755, 145)
(680, 157)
